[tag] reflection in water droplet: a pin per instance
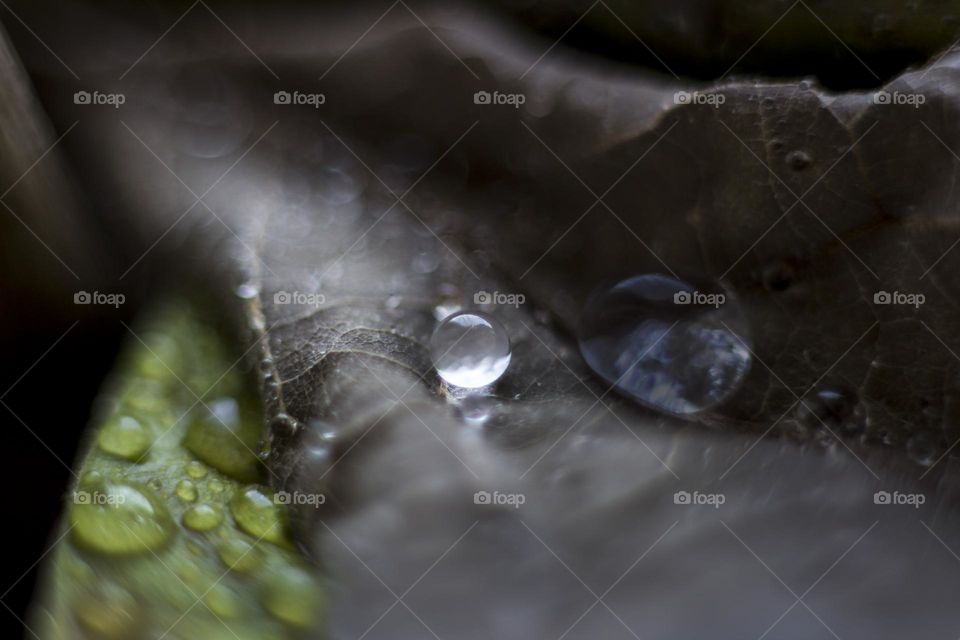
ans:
(470, 349)
(666, 343)
(475, 409)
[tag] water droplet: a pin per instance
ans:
(293, 596)
(196, 469)
(798, 160)
(256, 513)
(834, 408)
(666, 343)
(248, 290)
(470, 349)
(239, 555)
(125, 437)
(203, 517)
(225, 440)
(222, 601)
(923, 448)
(118, 518)
(186, 491)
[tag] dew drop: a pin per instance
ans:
(248, 290)
(294, 597)
(668, 344)
(202, 517)
(834, 408)
(470, 349)
(798, 160)
(196, 469)
(922, 448)
(125, 437)
(186, 491)
(258, 514)
(225, 440)
(116, 518)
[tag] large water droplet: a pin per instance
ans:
(257, 513)
(125, 437)
(668, 344)
(203, 517)
(470, 349)
(225, 439)
(293, 596)
(118, 518)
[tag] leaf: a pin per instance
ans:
(346, 226)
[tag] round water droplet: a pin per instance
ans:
(186, 491)
(834, 408)
(470, 349)
(798, 160)
(258, 514)
(293, 596)
(239, 555)
(668, 344)
(923, 448)
(248, 290)
(125, 437)
(118, 518)
(196, 470)
(202, 517)
(225, 440)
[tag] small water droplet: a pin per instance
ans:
(798, 159)
(258, 514)
(186, 491)
(833, 408)
(666, 343)
(125, 437)
(470, 349)
(196, 469)
(118, 518)
(202, 517)
(248, 290)
(923, 448)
